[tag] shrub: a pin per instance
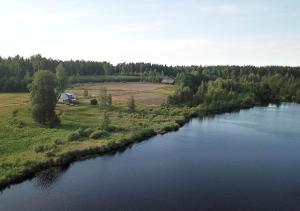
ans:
(112, 128)
(85, 93)
(120, 115)
(105, 124)
(87, 132)
(17, 123)
(39, 148)
(14, 113)
(103, 97)
(109, 100)
(50, 154)
(58, 142)
(131, 104)
(98, 134)
(73, 136)
(80, 131)
(94, 102)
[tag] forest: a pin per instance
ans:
(194, 83)
(232, 86)
(17, 72)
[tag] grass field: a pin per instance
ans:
(147, 94)
(20, 136)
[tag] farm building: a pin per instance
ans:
(168, 81)
(68, 98)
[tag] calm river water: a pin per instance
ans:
(236, 161)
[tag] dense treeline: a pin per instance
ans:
(233, 86)
(195, 84)
(16, 72)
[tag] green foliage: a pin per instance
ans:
(131, 104)
(105, 122)
(98, 134)
(93, 102)
(85, 93)
(79, 134)
(62, 78)
(43, 98)
(58, 141)
(109, 100)
(74, 136)
(297, 97)
(196, 88)
(14, 113)
(40, 148)
(102, 100)
(16, 73)
(14, 121)
(87, 132)
(80, 131)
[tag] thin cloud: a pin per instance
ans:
(219, 9)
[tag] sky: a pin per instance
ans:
(172, 32)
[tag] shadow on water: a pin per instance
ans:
(215, 115)
(48, 178)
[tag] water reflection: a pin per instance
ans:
(48, 178)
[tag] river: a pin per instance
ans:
(249, 160)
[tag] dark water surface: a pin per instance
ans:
(240, 161)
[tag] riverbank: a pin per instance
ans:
(131, 128)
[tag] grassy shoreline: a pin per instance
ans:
(27, 148)
(183, 115)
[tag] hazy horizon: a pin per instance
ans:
(127, 62)
(259, 33)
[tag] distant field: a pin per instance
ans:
(13, 99)
(146, 93)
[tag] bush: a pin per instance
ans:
(73, 136)
(85, 93)
(131, 104)
(17, 123)
(98, 134)
(14, 113)
(94, 102)
(80, 131)
(58, 142)
(87, 132)
(39, 148)
(105, 122)
(112, 128)
(50, 154)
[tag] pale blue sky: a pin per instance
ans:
(198, 32)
